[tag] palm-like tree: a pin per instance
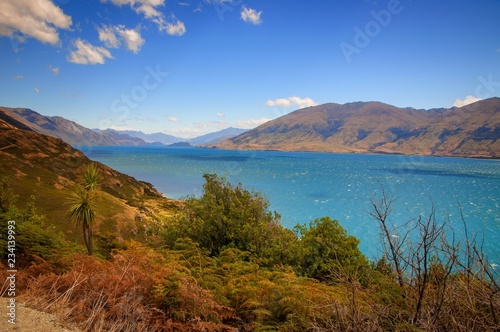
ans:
(83, 209)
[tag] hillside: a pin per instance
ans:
(69, 131)
(49, 168)
(374, 127)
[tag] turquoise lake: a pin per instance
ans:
(304, 186)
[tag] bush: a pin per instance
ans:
(228, 216)
(33, 237)
(325, 251)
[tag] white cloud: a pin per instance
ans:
(112, 36)
(172, 119)
(17, 77)
(38, 19)
(291, 101)
(87, 53)
(132, 39)
(198, 129)
(251, 16)
(37, 90)
(466, 101)
(144, 7)
(176, 27)
(220, 115)
(281, 102)
(120, 127)
(185, 132)
(252, 123)
(147, 8)
(202, 128)
(212, 125)
(107, 35)
(150, 10)
(54, 70)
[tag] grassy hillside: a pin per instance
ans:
(374, 127)
(49, 169)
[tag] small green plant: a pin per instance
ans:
(7, 196)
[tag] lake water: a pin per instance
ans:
(304, 186)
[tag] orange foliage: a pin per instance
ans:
(131, 292)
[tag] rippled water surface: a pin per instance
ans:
(304, 186)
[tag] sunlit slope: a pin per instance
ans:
(374, 127)
(49, 169)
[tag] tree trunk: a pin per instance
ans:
(87, 237)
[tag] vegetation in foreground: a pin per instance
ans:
(223, 262)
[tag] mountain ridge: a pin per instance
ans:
(78, 135)
(59, 127)
(147, 138)
(375, 127)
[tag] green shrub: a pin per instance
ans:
(33, 237)
(228, 216)
(325, 251)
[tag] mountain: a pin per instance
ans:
(77, 135)
(69, 131)
(49, 168)
(217, 137)
(56, 126)
(151, 138)
(211, 138)
(122, 138)
(375, 127)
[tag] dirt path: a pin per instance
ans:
(30, 320)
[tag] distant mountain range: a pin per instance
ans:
(375, 127)
(360, 127)
(162, 138)
(77, 135)
(211, 138)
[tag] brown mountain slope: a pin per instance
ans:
(49, 168)
(69, 131)
(374, 127)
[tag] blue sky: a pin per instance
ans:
(190, 67)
